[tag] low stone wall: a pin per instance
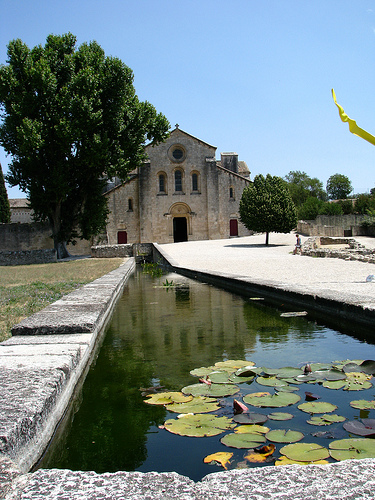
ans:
(26, 257)
(140, 251)
(336, 226)
(350, 249)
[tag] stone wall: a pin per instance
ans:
(336, 226)
(339, 248)
(141, 251)
(35, 236)
(26, 257)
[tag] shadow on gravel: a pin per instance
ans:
(263, 245)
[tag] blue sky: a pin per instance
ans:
(250, 76)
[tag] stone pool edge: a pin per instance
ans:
(40, 369)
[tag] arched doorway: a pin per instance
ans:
(180, 216)
(180, 229)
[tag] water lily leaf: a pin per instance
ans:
(286, 388)
(198, 404)
(234, 379)
(284, 436)
(260, 455)
(250, 429)
(278, 415)
(331, 434)
(360, 428)
(346, 449)
(213, 390)
(294, 381)
(222, 457)
(167, 398)
(317, 407)
(305, 452)
(288, 372)
(362, 404)
(308, 377)
(246, 440)
(337, 384)
(368, 366)
(357, 381)
(198, 425)
(219, 377)
(250, 418)
(320, 366)
(330, 375)
(202, 372)
(326, 420)
(271, 382)
(287, 461)
(351, 367)
(278, 400)
(246, 371)
(232, 365)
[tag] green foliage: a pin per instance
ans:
(4, 202)
(302, 187)
(152, 268)
(71, 118)
(364, 203)
(310, 209)
(266, 205)
(331, 209)
(338, 187)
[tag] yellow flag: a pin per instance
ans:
(353, 127)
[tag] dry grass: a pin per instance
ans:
(28, 289)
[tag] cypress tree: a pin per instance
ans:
(4, 202)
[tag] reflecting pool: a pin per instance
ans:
(156, 336)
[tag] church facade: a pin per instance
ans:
(181, 193)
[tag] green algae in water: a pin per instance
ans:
(157, 335)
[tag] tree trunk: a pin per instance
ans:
(60, 246)
(61, 250)
(267, 234)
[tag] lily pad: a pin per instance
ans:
(198, 425)
(167, 398)
(246, 440)
(368, 366)
(213, 390)
(199, 404)
(287, 461)
(234, 379)
(261, 454)
(247, 371)
(264, 400)
(326, 420)
(346, 449)
(305, 452)
(284, 436)
(222, 457)
(219, 377)
(271, 382)
(288, 372)
(336, 384)
(278, 415)
(202, 372)
(250, 429)
(232, 365)
(317, 407)
(365, 428)
(250, 418)
(362, 404)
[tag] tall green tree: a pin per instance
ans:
(4, 201)
(266, 206)
(71, 119)
(302, 187)
(338, 187)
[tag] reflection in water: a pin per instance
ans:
(156, 336)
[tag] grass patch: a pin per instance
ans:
(25, 290)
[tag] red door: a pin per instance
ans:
(233, 227)
(122, 237)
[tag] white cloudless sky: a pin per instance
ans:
(250, 76)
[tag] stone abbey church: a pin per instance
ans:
(181, 193)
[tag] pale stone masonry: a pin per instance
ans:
(181, 194)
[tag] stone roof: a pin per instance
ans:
(19, 203)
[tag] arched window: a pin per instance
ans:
(194, 182)
(130, 205)
(178, 181)
(162, 183)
